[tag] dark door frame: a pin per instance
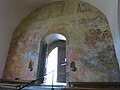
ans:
(43, 55)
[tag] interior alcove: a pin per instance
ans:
(89, 43)
(49, 43)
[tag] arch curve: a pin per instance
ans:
(84, 27)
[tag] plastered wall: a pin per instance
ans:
(89, 42)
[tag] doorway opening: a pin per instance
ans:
(53, 60)
(51, 64)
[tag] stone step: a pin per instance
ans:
(42, 88)
(7, 86)
(58, 88)
(55, 85)
(91, 89)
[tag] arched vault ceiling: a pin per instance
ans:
(12, 12)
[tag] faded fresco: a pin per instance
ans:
(89, 50)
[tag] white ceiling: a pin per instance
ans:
(12, 12)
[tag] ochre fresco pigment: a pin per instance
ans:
(89, 42)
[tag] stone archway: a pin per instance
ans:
(48, 44)
(89, 42)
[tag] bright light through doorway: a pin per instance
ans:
(52, 66)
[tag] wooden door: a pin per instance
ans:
(61, 72)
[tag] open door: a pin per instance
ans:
(48, 45)
(61, 72)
